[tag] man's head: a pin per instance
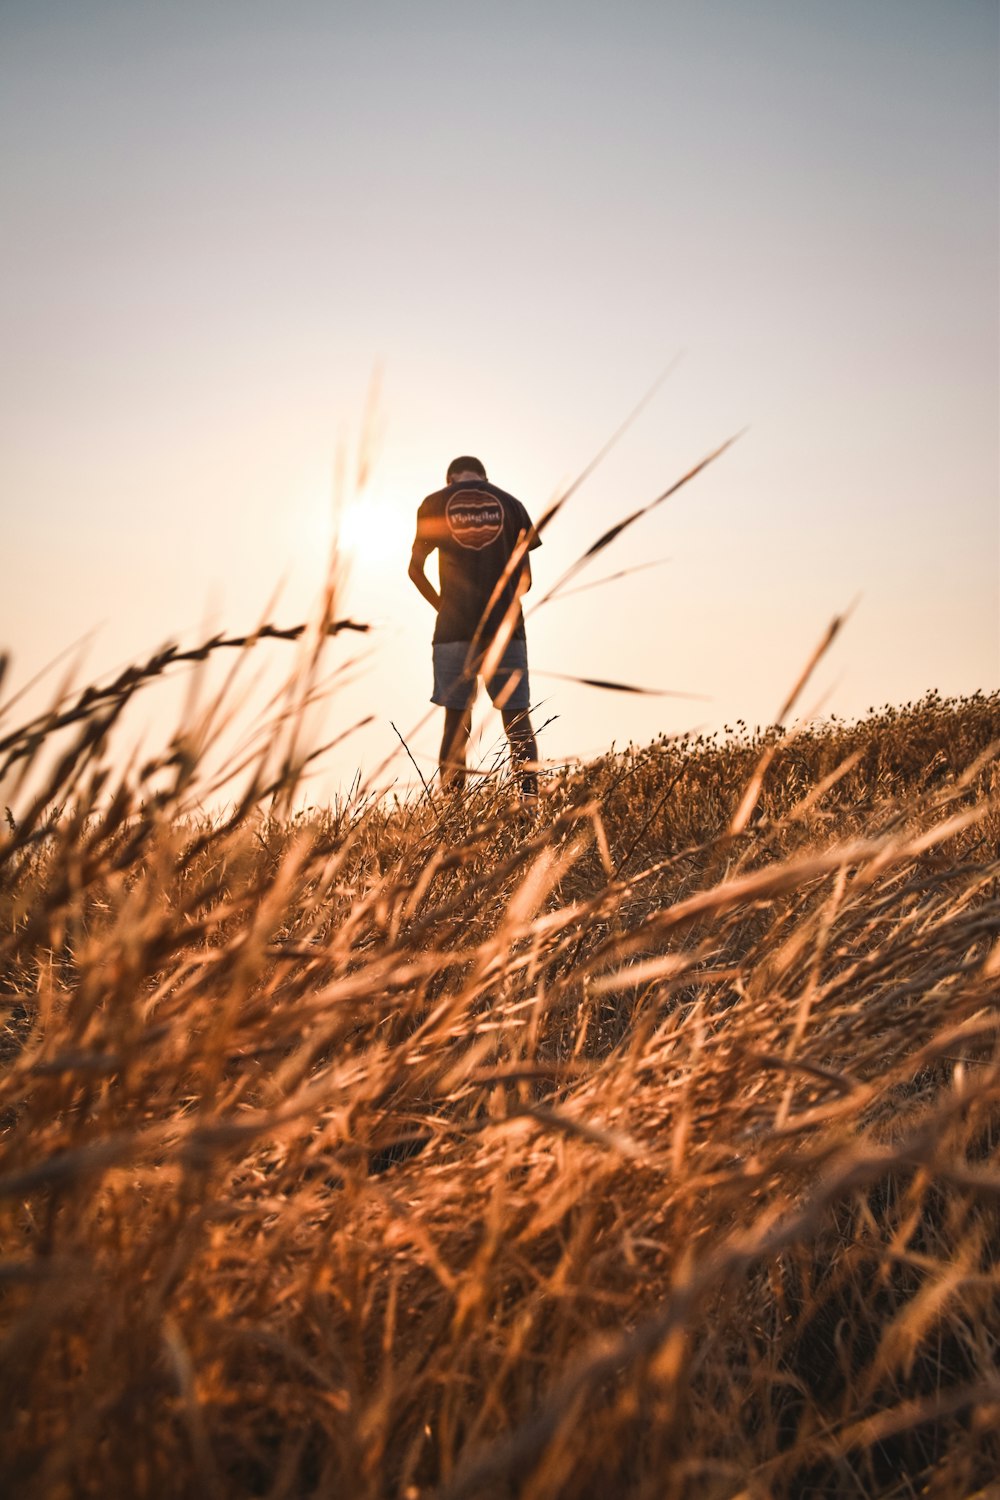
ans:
(465, 468)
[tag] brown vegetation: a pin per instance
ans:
(650, 1149)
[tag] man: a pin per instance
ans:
(476, 528)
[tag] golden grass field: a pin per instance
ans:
(412, 1149)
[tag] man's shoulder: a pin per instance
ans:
(486, 486)
(500, 494)
(520, 512)
(438, 500)
(436, 505)
(510, 502)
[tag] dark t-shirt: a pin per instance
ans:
(475, 527)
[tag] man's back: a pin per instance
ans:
(475, 526)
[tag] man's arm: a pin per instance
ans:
(418, 558)
(534, 540)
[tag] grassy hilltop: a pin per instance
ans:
(649, 1150)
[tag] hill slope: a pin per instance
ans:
(419, 1150)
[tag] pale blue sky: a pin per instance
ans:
(219, 218)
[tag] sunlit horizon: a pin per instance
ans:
(257, 285)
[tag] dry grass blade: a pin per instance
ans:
(607, 537)
(94, 699)
(620, 687)
(607, 447)
(751, 794)
(599, 583)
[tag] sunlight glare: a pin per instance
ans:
(374, 529)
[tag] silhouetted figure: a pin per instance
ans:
(475, 527)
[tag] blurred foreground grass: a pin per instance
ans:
(646, 1149)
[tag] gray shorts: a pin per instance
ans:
(454, 687)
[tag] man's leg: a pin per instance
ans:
(523, 748)
(454, 743)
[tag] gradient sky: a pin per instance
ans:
(220, 218)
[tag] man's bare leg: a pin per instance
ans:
(523, 749)
(454, 744)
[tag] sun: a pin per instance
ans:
(374, 530)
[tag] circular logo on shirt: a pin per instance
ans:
(475, 519)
